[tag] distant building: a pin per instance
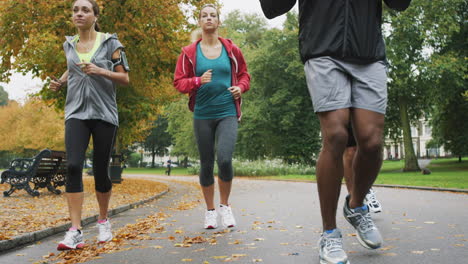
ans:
(421, 134)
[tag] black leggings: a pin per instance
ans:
(219, 134)
(77, 134)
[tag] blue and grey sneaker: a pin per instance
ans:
(331, 248)
(367, 233)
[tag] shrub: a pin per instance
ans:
(262, 168)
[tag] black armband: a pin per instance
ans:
(121, 61)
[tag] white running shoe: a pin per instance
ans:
(331, 248)
(73, 240)
(227, 218)
(105, 233)
(211, 221)
(371, 201)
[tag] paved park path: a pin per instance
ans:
(279, 222)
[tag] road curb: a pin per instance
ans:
(41, 234)
(422, 188)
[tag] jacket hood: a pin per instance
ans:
(108, 36)
(191, 49)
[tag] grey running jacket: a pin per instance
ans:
(91, 96)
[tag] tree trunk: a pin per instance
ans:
(411, 162)
(153, 155)
(460, 158)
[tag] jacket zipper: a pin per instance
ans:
(345, 27)
(233, 72)
(193, 66)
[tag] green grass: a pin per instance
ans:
(155, 171)
(392, 166)
(446, 173)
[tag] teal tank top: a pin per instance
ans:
(213, 99)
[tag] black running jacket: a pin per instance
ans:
(349, 30)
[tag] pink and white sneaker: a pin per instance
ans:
(105, 233)
(73, 240)
(211, 221)
(227, 218)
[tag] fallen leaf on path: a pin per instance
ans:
(386, 248)
(219, 257)
(194, 240)
(236, 242)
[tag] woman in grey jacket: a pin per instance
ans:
(95, 63)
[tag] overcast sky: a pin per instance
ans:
(249, 6)
(20, 86)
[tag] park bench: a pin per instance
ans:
(46, 170)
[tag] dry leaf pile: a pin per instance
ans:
(22, 213)
(141, 230)
(128, 237)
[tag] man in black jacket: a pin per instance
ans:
(342, 47)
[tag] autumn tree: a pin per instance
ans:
(32, 33)
(24, 129)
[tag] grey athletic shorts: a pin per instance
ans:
(334, 84)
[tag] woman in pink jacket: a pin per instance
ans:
(212, 70)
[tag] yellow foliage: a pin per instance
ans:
(152, 31)
(33, 125)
